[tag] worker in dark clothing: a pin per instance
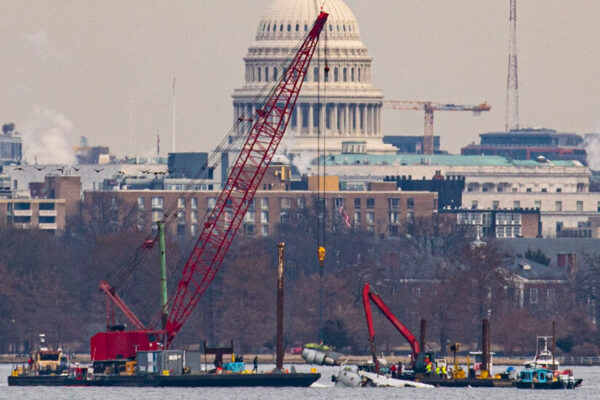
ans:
(255, 362)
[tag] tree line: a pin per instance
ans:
(433, 271)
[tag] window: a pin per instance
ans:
(284, 217)
(22, 206)
(345, 74)
(264, 217)
(157, 202)
(22, 219)
(306, 27)
(528, 190)
(157, 215)
(289, 28)
(250, 216)
(559, 226)
(516, 204)
(181, 202)
(194, 203)
(47, 220)
(410, 203)
(352, 75)
(47, 206)
(474, 204)
(335, 74)
(356, 217)
(357, 203)
(394, 217)
(264, 203)
(267, 74)
(259, 76)
(286, 203)
(300, 202)
(558, 190)
(264, 230)
(533, 295)
(249, 229)
(558, 206)
(180, 230)
(193, 229)
(495, 204)
(316, 74)
(544, 190)
(370, 202)
(140, 203)
(410, 216)
(551, 295)
(394, 230)
(194, 216)
(579, 206)
(371, 217)
(275, 73)
(338, 203)
(211, 202)
(537, 204)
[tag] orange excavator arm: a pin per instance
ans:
(369, 295)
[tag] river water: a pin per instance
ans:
(589, 390)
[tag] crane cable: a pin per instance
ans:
(321, 201)
(225, 145)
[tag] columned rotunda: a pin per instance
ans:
(343, 104)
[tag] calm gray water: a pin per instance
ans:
(589, 390)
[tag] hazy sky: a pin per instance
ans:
(102, 69)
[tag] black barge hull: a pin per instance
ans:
(202, 380)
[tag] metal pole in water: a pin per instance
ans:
(553, 346)
(163, 273)
(280, 282)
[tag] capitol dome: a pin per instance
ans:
(342, 104)
(291, 20)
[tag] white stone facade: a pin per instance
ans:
(343, 105)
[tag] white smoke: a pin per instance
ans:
(592, 148)
(301, 161)
(48, 138)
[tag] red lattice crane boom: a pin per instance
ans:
(225, 218)
(429, 107)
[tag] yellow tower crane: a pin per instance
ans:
(429, 107)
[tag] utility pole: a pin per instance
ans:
(512, 80)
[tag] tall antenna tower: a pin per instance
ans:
(512, 80)
(174, 118)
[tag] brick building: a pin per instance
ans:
(45, 214)
(383, 212)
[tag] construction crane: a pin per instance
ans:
(369, 295)
(221, 225)
(429, 107)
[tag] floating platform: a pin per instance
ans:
(200, 380)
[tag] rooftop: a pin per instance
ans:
(441, 159)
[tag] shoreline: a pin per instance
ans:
(349, 359)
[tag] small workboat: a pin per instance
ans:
(543, 378)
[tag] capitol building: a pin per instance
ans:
(342, 105)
